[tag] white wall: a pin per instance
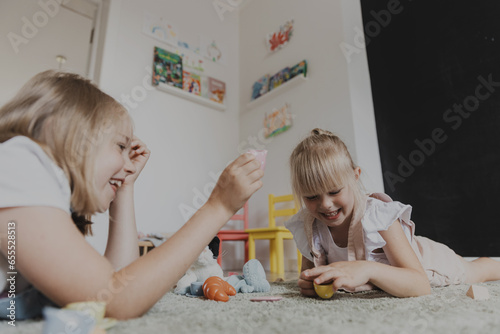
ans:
(33, 35)
(336, 96)
(189, 142)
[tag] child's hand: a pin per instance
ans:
(237, 183)
(306, 285)
(348, 275)
(139, 155)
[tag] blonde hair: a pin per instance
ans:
(321, 163)
(69, 118)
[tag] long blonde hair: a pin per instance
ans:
(321, 163)
(69, 118)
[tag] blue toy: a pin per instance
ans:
(252, 280)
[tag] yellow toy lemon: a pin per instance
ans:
(324, 291)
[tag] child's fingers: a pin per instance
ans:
(340, 283)
(307, 275)
(243, 159)
(322, 274)
(305, 284)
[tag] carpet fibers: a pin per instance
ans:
(447, 310)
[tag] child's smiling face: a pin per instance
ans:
(332, 208)
(113, 165)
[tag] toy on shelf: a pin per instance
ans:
(215, 288)
(204, 267)
(252, 280)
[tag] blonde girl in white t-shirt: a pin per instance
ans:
(359, 242)
(68, 151)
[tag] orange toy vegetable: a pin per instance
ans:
(217, 289)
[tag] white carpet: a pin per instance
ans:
(447, 310)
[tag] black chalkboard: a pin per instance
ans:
(435, 77)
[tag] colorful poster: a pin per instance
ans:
(279, 39)
(157, 27)
(213, 50)
(278, 121)
(217, 90)
(191, 83)
(167, 68)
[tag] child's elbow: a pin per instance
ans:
(425, 290)
(423, 287)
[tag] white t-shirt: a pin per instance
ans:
(379, 216)
(441, 264)
(28, 177)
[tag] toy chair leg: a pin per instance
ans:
(272, 256)
(280, 257)
(299, 261)
(246, 251)
(251, 247)
(219, 258)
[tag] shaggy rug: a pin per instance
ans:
(447, 310)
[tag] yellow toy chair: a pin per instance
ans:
(275, 234)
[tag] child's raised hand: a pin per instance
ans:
(348, 275)
(138, 155)
(237, 183)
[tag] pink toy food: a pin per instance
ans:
(266, 299)
(261, 157)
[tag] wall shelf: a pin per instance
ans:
(189, 96)
(276, 91)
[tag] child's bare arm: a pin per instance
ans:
(405, 277)
(54, 257)
(122, 249)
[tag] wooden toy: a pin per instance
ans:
(478, 292)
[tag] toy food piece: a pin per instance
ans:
(261, 157)
(478, 292)
(59, 320)
(266, 299)
(94, 309)
(215, 288)
(324, 291)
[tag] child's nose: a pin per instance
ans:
(326, 202)
(129, 167)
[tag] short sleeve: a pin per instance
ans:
(296, 226)
(28, 177)
(379, 216)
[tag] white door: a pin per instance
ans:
(33, 35)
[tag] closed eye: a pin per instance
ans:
(311, 198)
(335, 192)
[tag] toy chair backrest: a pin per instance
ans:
(273, 212)
(243, 216)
